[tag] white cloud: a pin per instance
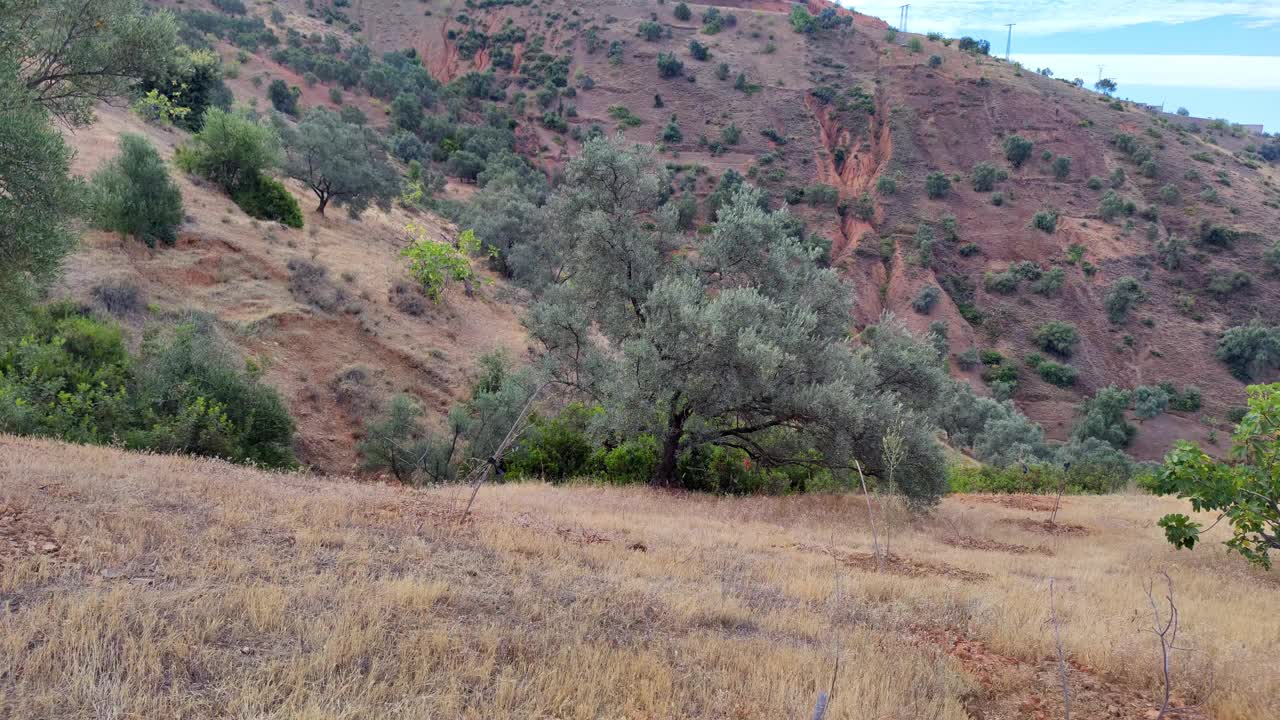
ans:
(1236, 72)
(1043, 17)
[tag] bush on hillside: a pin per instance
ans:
(926, 299)
(1248, 350)
(266, 198)
(71, 377)
(937, 185)
(1056, 373)
(231, 150)
(984, 176)
(1121, 297)
(1017, 149)
(132, 194)
(669, 66)
(1057, 337)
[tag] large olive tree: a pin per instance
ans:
(740, 340)
(341, 162)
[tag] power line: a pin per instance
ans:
(1008, 41)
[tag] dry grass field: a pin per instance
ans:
(136, 586)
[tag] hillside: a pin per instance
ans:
(908, 119)
(191, 588)
(328, 310)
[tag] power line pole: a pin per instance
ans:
(903, 12)
(1008, 41)
(1100, 72)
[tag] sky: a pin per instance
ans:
(1214, 58)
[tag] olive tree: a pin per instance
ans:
(72, 54)
(742, 342)
(341, 162)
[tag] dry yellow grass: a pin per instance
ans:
(185, 588)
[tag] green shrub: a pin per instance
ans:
(935, 61)
(820, 194)
(1271, 257)
(231, 150)
(1045, 221)
(669, 66)
(1120, 298)
(650, 31)
(1186, 401)
(1057, 374)
(671, 132)
(984, 176)
(71, 377)
(555, 448)
(133, 195)
(1005, 283)
(1249, 349)
(1102, 418)
(632, 462)
(1225, 283)
(886, 185)
(624, 116)
(925, 299)
(1017, 149)
(1149, 401)
(682, 12)
(267, 199)
(283, 98)
(1061, 167)
(1113, 205)
(1049, 282)
(937, 185)
(1057, 337)
(699, 51)
(1217, 235)
(1094, 183)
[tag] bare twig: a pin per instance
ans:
(871, 517)
(1166, 630)
(1057, 503)
(1062, 660)
(481, 474)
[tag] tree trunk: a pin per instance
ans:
(665, 474)
(324, 200)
